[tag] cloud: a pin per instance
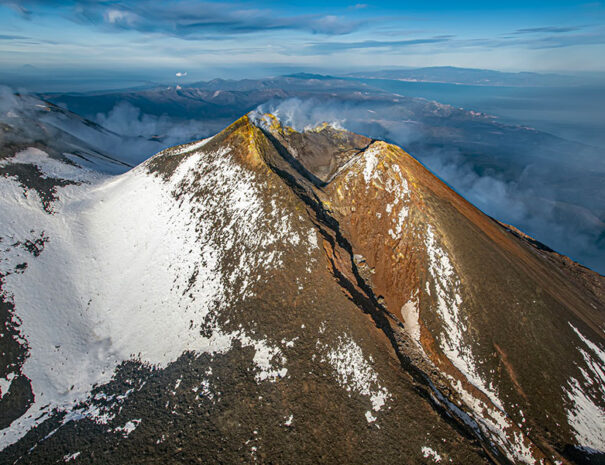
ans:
(153, 131)
(548, 29)
(114, 16)
(9, 102)
(19, 39)
(551, 40)
(12, 37)
(188, 18)
(16, 6)
(542, 38)
(276, 34)
(333, 47)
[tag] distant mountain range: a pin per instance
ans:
(469, 76)
(47, 79)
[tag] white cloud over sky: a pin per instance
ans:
(177, 34)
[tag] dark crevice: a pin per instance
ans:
(293, 162)
(82, 155)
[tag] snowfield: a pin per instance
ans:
(113, 281)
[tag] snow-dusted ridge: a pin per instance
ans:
(130, 272)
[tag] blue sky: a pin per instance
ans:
(231, 39)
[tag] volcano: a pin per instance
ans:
(274, 296)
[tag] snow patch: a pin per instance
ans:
(312, 239)
(427, 452)
(585, 416)
(264, 357)
(50, 167)
(191, 147)
(5, 384)
(371, 160)
(411, 319)
(128, 428)
(70, 457)
(354, 372)
(449, 302)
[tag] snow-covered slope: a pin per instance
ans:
(114, 282)
(270, 296)
(27, 121)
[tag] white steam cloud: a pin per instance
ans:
(127, 120)
(302, 114)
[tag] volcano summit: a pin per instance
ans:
(274, 296)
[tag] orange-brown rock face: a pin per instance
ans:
(506, 334)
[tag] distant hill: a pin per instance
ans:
(485, 77)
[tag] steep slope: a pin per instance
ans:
(505, 329)
(27, 121)
(274, 296)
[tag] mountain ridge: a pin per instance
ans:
(391, 240)
(495, 233)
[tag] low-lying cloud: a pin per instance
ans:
(124, 132)
(129, 121)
